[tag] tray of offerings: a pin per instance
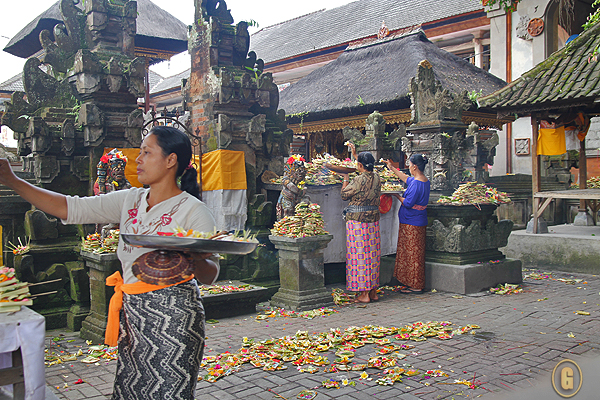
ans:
(225, 245)
(339, 169)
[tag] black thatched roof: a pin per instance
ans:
(379, 74)
(568, 78)
(359, 19)
(156, 29)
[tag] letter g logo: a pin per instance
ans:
(567, 378)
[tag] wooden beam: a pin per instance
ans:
(582, 175)
(535, 169)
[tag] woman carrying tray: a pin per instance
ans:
(363, 242)
(161, 330)
(410, 255)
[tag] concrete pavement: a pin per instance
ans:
(522, 338)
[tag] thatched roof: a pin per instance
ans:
(359, 19)
(156, 29)
(568, 78)
(379, 74)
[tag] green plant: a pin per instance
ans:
(474, 95)
(255, 72)
(594, 17)
(360, 101)
(507, 5)
(252, 23)
(300, 115)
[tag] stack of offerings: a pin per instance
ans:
(307, 221)
(13, 294)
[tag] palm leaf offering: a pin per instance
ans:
(475, 193)
(307, 221)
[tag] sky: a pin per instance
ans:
(15, 15)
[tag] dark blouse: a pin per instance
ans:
(364, 190)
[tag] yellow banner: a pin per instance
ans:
(551, 142)
(224, 169)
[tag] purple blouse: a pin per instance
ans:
(416, 196)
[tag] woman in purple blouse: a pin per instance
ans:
(410, 255)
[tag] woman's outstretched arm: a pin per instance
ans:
(50, 202)
(403, 177)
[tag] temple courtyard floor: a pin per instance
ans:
(520, 340)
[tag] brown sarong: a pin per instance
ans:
(410, 256)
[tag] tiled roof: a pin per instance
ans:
(567, 78)
(356, 20)
(379, 74)
(13, 84)
(170, 82)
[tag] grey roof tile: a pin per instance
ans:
(566, 75)
(356, 20)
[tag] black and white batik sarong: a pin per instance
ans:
(161, 341)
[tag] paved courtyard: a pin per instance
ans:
(521, 338)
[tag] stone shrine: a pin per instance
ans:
(79, 98)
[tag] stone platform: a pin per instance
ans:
(471, 278)
(233, 304)
(565, 248)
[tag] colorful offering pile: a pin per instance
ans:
(307, 221)
(221, 289)
(93, 243)
(317, 174)
(13, 294)
(475, 193)
(305, 351)
(591, 183)
(237, 236)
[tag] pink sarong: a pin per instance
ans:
(363, 255)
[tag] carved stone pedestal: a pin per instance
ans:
(462, 253)
(301, 273)
(100, 267)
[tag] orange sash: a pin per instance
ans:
(116, 302)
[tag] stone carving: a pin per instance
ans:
(133, 131)
(43, 89)
(292, 190)
(92, 119)
(521, 29)
(68, 37)
(431, 103)
(217, 9)
(395, 137)
(67, 136)
(256, 127)
(461, 236)
(224, 132)
(353, 135)
(41, 138)
(241, 43)
(375, 125)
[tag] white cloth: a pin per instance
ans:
(25, 329)
(571, 139)
(230, 208)
(128, 208)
